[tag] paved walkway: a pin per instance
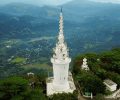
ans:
(114, 95)
(80, 97)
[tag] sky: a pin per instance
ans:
(52, 2)
(36, 2)
(107, 1)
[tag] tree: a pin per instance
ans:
(110, 60)
(92, 57)
(65, 96)
(77, 64)
(114, 77)
(37, 94)
(78, 61)
(97, 70)
(90, 83)
(13, 86)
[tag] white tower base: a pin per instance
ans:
(52, 90)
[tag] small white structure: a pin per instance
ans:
(84, 65)
(8, 46)
(110, 85)
(61, 81)
(30, 74)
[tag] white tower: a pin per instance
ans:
(60, 61)
(62, 80)
(84, 65)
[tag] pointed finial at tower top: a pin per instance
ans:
(61, 22)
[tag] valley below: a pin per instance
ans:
(28, 36)
(28, 33)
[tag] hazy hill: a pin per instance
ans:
(27, 9)
(89, 24)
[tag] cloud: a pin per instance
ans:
(107, 1)
(36, 2)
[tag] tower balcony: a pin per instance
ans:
(61, 61)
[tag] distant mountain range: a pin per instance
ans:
(92, 26)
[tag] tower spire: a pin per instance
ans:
(61, 22)
(61, 50)
(61, 31)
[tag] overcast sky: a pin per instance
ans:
(37, 2)
(52, 2)
(107, 1)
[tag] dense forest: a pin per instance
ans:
(28, 32)
(102, 66)
(105, 65)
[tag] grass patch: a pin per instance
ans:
(18, 60)
(37, 66)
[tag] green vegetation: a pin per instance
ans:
(19, 88)
(65, 96)
(37, 66)
(13, 87)
(29, 88)
(102, 66)
(90, 83)
(18, 60)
